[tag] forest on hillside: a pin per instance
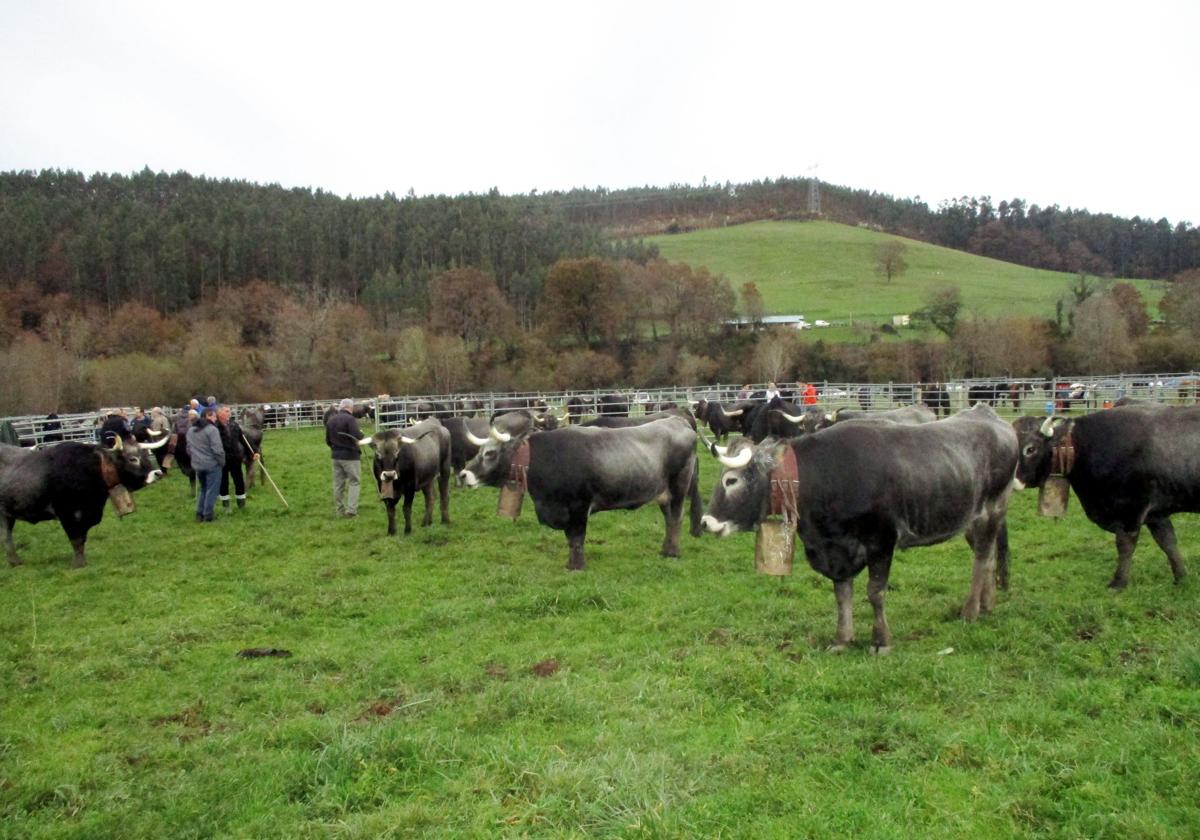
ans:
(154, 287)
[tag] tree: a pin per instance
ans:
(1100, 342)
(583, 297)
(889, 259)
(467, 303)
(1129, 300)
(752, 303)
(1181, 304)
(942, 307)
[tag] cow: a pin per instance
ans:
(252, 422)
(866, 488)
(937, 398)
(408, 460)
(909, 415)
(507, 404)
(626, 422)
(777, 417)
(987, 392)
(1133, 465)
(575, 470)
(612, 405)
(722, 421)
(576, 408)
(69, 482)
(462, 447)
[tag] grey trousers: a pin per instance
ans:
(346, 484)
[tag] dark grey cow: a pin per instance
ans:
(574, 471)
(626, 422)
(909, 415)
(721, 420)
(464, 432)
(867, 488)
(69, 482)
(1131, 466)
(408, 460)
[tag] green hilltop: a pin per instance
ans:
(824, 270)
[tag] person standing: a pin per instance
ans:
(208, 460)
(231, 442)
(342, 436)
(772, 391)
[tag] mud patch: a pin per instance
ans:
(496, 671)
(259, 652)
(545, 668)
(191, 720)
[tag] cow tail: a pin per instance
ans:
(694, 502)
(1002, 555)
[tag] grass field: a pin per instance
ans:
(460, 683)
(826, 270)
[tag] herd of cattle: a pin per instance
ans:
(863, 483)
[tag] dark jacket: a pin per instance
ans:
(231, 441)
(343, 448)
(204, 446)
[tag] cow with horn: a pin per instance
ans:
(572, 471)
(408, 460)
(71, 482)
(1129, 466)
(864, 489)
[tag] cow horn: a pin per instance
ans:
(367, 441)
(476, 441)
(155, 445)
(118, 445)
(736, 462)
(406, 439)
(502, 437)
(1048, 427)
(797, 419)
(737, 413)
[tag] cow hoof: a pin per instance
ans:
(15, 561)
(838, 647)
(969, 612)
(1117, 585)
(881, 650)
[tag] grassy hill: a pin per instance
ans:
(827, 270)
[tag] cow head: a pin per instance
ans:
(491, 463)
(387, 445)
(134, 462)
(1037, 439)
(742, 494)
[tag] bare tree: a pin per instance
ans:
(889, 259)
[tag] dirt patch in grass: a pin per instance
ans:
(496, 671)
(191, 719)
(545, 668)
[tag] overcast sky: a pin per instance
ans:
(1085, 104)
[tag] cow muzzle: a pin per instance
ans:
(154, 476)
(715, 526)
(468, 478)
(389, 475)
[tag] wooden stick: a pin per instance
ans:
(263, 467)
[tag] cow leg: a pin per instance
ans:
(391, 515)
(1126, 542)
(576, 532)
(77, 543)
(6, 525)
(444, 496)
(672, 514)
(877, 585)
(408, 500)
(1164, 534)
(427, 492)
(982, 596)
(843, 591)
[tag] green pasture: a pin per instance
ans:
(460, 683)
(826, 270)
